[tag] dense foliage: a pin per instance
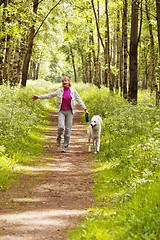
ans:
(21, 122)
(127, 175)
(90, 41)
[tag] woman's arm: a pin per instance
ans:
(80, 102)
(45, 96)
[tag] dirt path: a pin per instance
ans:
(53, 196)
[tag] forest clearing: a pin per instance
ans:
(109, 54)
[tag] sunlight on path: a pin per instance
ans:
(40, 220)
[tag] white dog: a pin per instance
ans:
(94, 132)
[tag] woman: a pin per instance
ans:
(66, 102)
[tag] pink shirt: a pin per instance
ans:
(66, 99)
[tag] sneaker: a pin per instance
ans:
(63, 150)
(58, 144)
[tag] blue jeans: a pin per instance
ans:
(65, 119)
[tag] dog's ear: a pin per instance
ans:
(100, 119)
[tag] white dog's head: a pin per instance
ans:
(96, 120)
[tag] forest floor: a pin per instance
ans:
(53, 195)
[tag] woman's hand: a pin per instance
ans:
(86, 111)
(34, 98)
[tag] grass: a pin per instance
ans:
(127, 171)
(127, 175)
(21, 126)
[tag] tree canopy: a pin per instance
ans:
(90, 41)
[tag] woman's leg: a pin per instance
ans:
(61, 124)
(68, 127)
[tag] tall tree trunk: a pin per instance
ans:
(118, 51)
(3, 40)
(158, 24)
(99, 39)
(125, 45)
(98, 52)
(30, 46)
(83, 62)
(22, 53)
(83, 68)
(97, 26)
(103, 45)
(133, 84)
(94, 60)
(158, 21)
(107, 51)
(89, 59)
(121, 68)
(86, 67)
(145, 75)
(11, 79)
(152, 52)
(113, 54)
(37, 69)
(6, 64)
(16, 63)
(73, 64)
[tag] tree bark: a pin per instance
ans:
(113, 54)
(89, 58)
(125, 46)
(158, 21)
(133, 84)
(83, 62)
(3, 41)
(86, 67)
(97, 26)
(107, 51)
(30, 46)
(94, 60)
(73, 64)
(98, 52)
(152, 52)
(8, 51)
(118, 51)
(121, 68)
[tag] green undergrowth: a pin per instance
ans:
(21, 126)
(127, 178)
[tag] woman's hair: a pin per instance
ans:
(67, 78)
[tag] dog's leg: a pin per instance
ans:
(98, 145)
(95, 146)
(99, 139)
(89, 139)
(89, 144)
(89, 148)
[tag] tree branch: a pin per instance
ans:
(140, 28)
(99, 35)
(40, 1)
(149, 13)
(46, 18)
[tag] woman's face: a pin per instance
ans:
(65, 82)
